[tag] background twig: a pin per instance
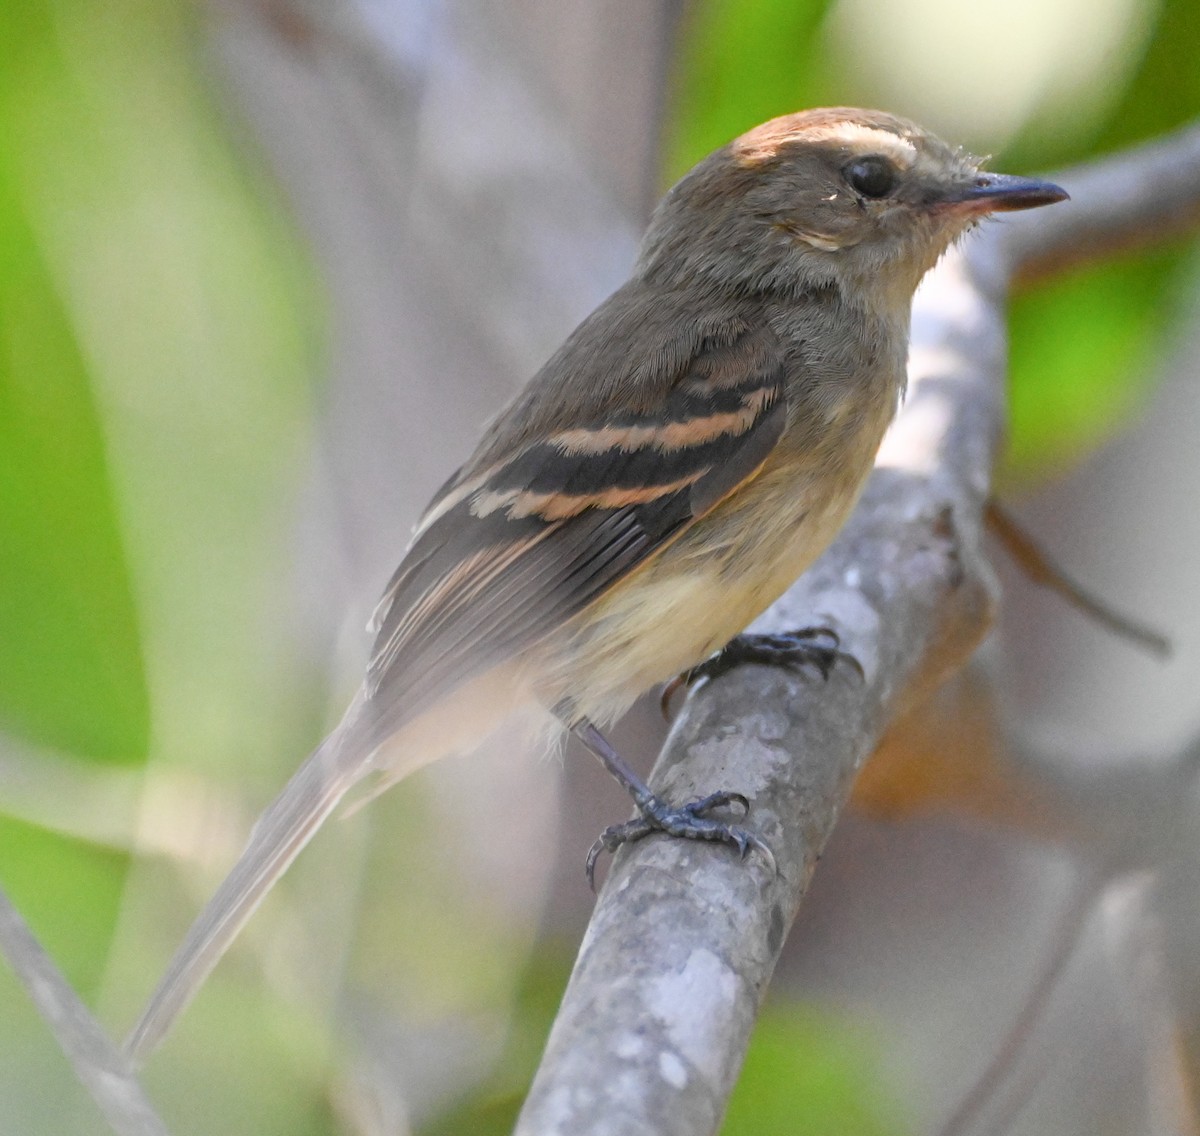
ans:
(96, 1061)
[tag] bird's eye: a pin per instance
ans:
(872, 177)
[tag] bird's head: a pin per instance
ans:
(837, 195)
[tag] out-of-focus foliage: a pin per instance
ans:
(741, 62)
(808, 1071)
(491, 1110)
(1083, 350)
(156, 350)
(70, 660)
(68, 890)
(1082, 356)
(270, 1075)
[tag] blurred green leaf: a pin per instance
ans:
(194, 302)
(807, 1072)
(161, 313)
(158, 323)
(1160, 93)
(68, 892)
(1165, 91)
(1082, 355)
(492, 1110)
(268, 1075)
(70, 659)
(739, 63)
(1083, 349)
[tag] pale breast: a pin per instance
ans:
(707, 586)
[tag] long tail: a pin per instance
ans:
(283, 830)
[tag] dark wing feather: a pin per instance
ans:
(516, 543)
(511, 552)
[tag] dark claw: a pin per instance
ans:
(793, 649)
(686, 822)
(716, 801)
(611, 839)
(761, 848)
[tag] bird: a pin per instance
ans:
(694, 444)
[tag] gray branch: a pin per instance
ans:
(102, 1070)
(1124, 202)
(684, 939)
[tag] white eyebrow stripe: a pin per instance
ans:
(856, 136)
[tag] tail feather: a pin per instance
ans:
(283, 830)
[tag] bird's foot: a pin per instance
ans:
(685, 821)
(818, 647)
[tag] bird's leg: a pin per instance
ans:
(656, 815)
(817, 647)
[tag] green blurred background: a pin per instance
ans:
(163, 346)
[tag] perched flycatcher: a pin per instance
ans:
(689, 450)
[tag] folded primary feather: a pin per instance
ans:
(506, 556)
(503, 558)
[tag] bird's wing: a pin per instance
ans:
(508, 553)
(504, 555)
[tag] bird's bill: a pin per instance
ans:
(1001, 193)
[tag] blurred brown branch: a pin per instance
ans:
(659, 1010)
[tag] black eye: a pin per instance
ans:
(872, 177)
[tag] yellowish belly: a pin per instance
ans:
(722, 573)
(686, 604)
